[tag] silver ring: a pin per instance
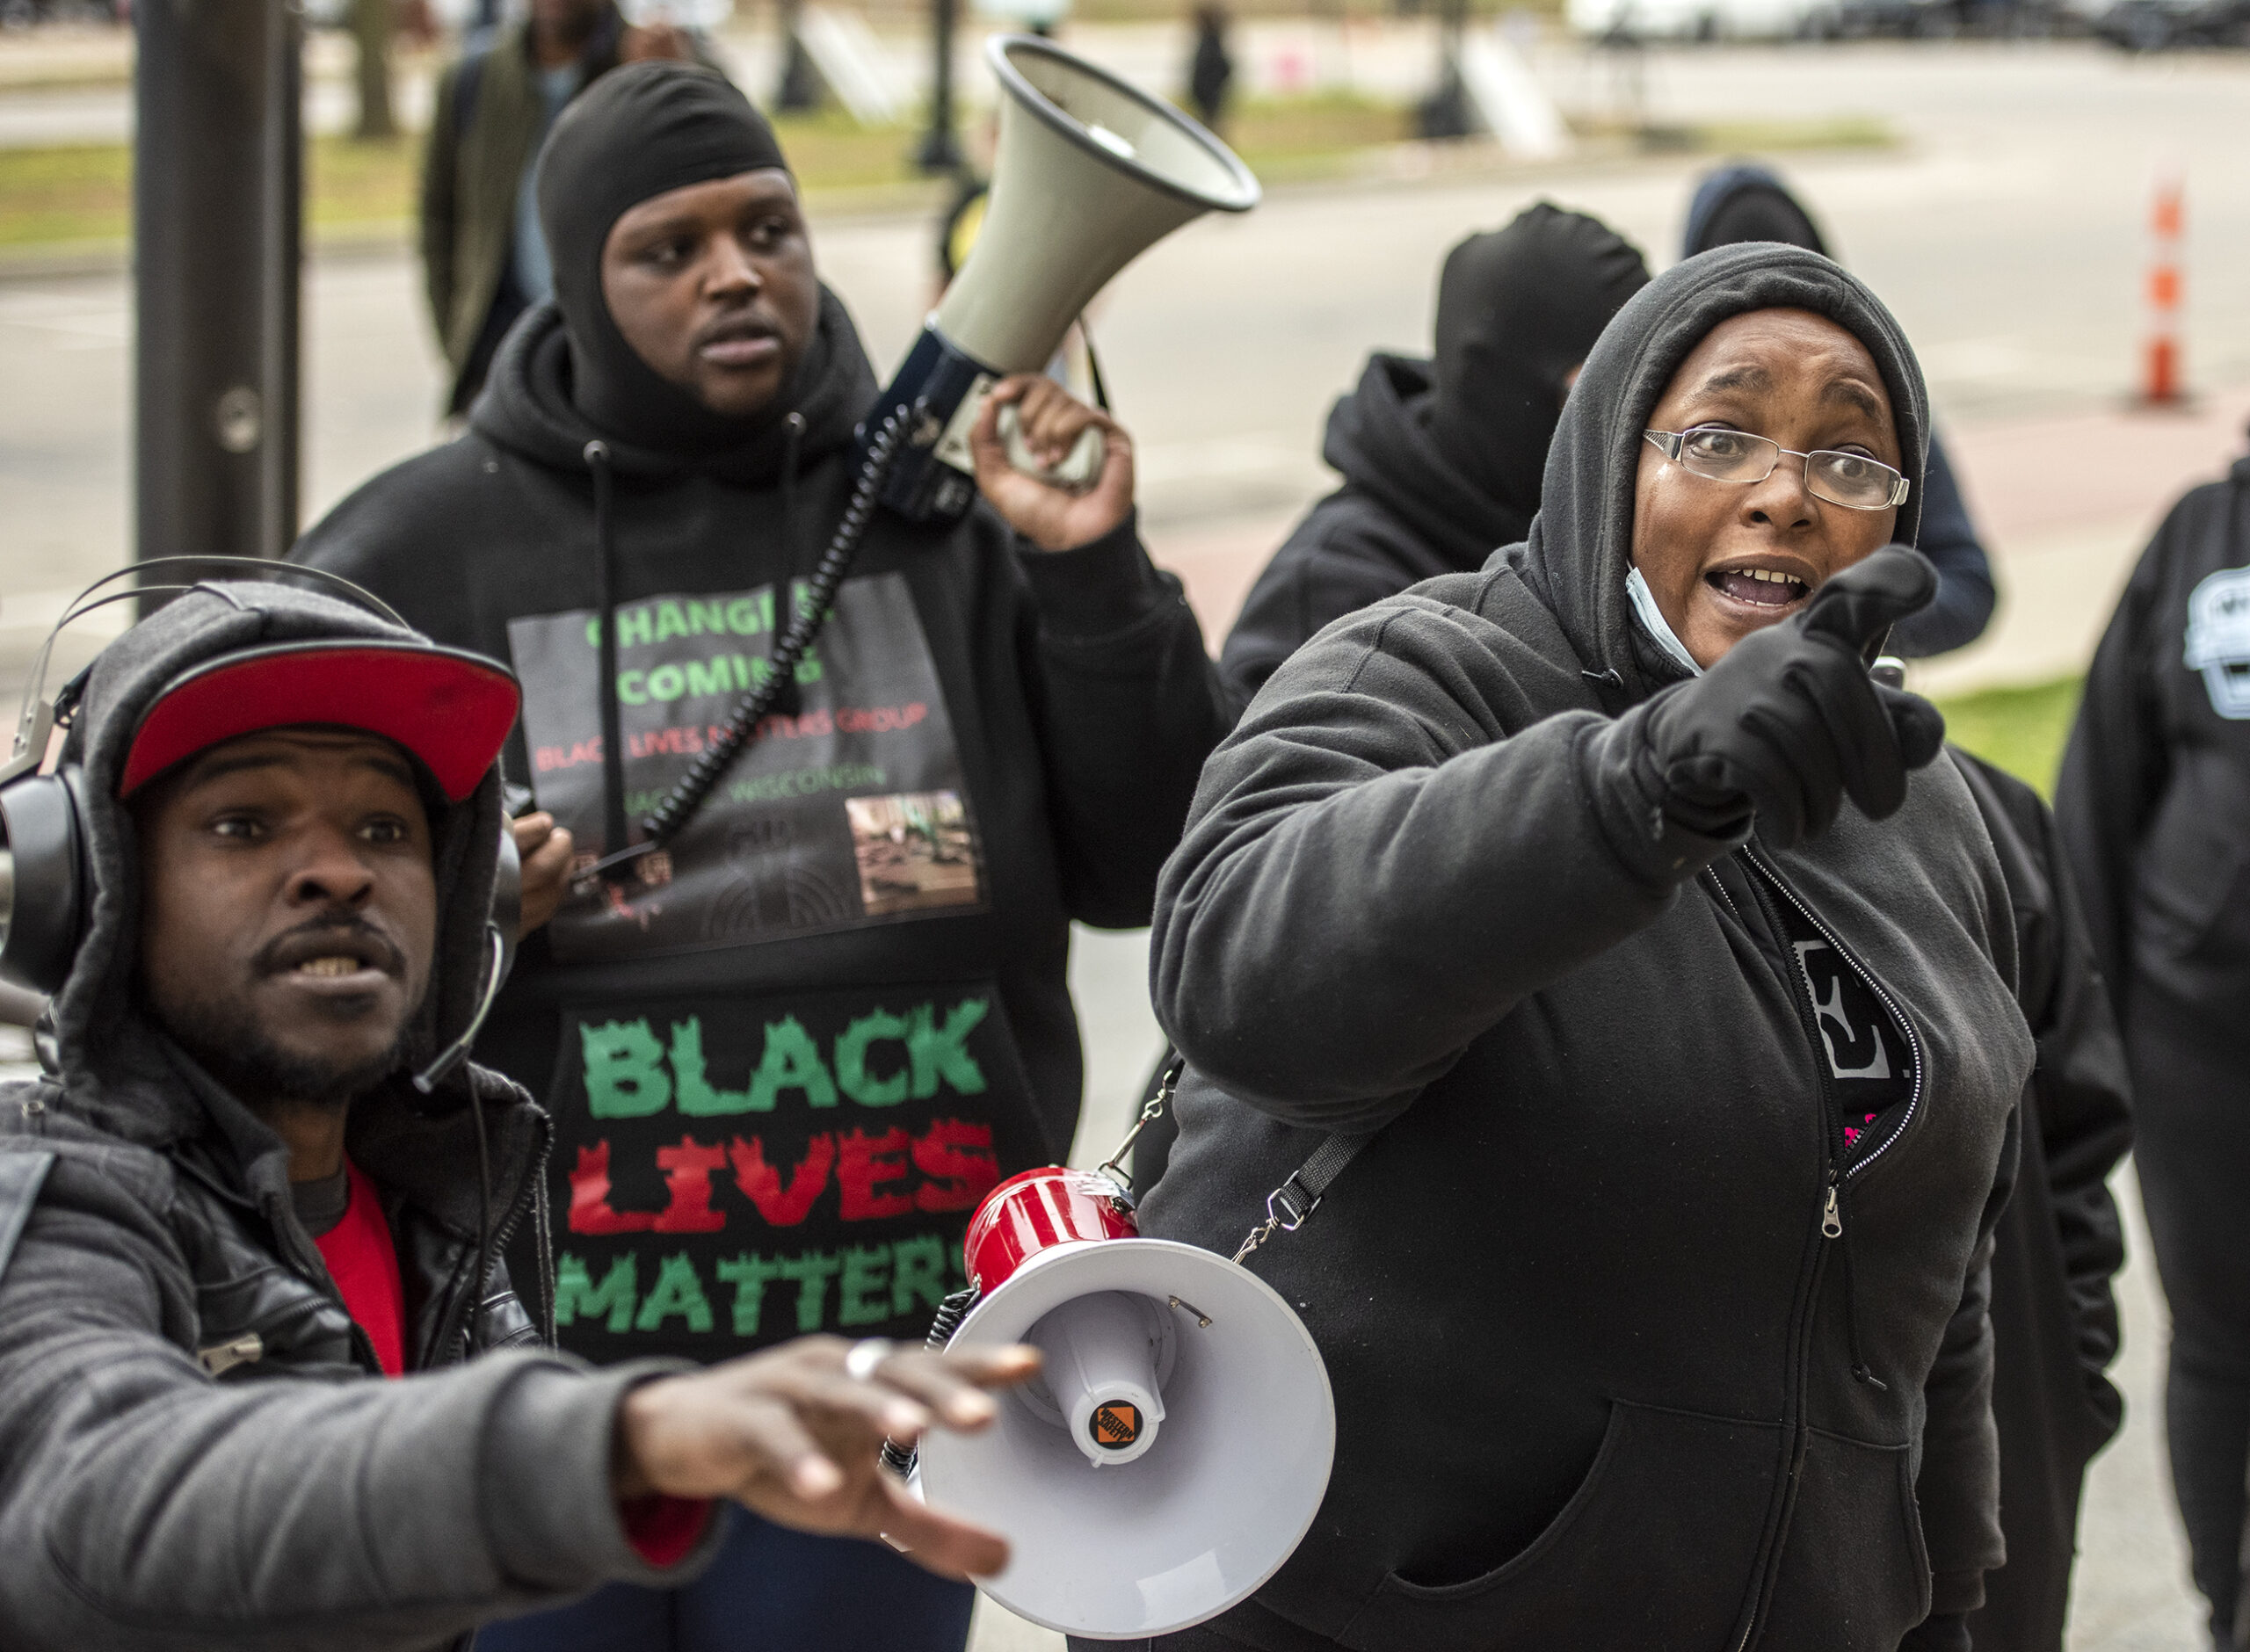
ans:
(866, 1354)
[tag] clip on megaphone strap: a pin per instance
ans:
(1299, 1195)
(1287, 1205)
(1152, 1109)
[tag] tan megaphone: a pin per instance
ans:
(1089, 173)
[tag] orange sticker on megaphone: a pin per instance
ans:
(1115, 1425)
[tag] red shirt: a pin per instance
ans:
(364, 1263)
(363, 1260)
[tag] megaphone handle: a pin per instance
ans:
(1077, 470)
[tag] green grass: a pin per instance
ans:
(80, 193)
(2019, 729)
(1752, 137)
(83, 192)
(1279, 135)
(1830, 132)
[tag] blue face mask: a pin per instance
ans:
(1653, 622)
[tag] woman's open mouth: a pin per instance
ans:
(1768, 588)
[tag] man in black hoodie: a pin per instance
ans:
(2054, 1321)
(2060, 1241)
(2154, 793)
(787, 1056)
(1442, 458)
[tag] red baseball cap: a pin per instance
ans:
(451, 708)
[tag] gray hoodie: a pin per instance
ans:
(145, 1502)
(1625, 1353)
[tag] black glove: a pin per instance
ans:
(1790, 721)
(1948, 1634)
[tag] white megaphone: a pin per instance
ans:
(1089, 173)
(1175, 1446)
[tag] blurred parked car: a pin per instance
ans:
(1633, 20)
(2156, 26)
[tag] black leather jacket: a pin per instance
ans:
(266, 1304)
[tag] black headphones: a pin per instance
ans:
(47, 875)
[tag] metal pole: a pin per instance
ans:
(800, 85)
(941, 150)
(217, 233)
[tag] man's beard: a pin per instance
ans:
(235, 1049)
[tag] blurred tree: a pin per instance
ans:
(373, 23)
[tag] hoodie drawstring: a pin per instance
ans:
(786, 700)
(612, 742)
(793, 436)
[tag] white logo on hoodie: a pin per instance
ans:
(2218, 640)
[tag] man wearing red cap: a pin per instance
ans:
(255, 1170)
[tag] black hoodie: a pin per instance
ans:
(1442, 458)
(782, 1079)
(1404, 515)
(1597, 1300)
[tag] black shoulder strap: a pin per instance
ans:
(1287, 1205)
(21, 1176)
(1300, 1193)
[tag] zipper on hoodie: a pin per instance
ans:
(1767, 887)
(1726, 900)
(1890, 1002)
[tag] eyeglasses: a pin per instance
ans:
(1851, 479)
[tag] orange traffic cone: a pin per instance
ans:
(2160, 378)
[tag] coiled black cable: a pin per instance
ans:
(900, 1459)
(687, 795)
(664, 822)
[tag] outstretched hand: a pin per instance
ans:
(1790, 722)
(792, 1434)
(1051, 518)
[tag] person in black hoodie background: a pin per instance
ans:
(1747, 202)
(2060, 1240)
(1441, 457)
(788, 1055)
(2154, 795)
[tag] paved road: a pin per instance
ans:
(2006, 230)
